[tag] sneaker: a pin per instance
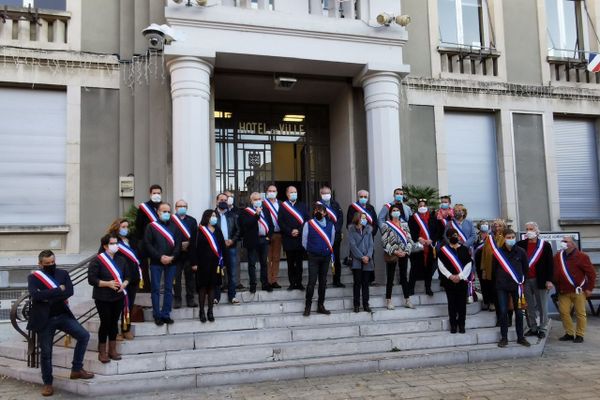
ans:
(389, 305)
(235, 301)
(408, 304)
(566, 338)
(531, 332)
(503, 342)
(578, 339)
(523, 342)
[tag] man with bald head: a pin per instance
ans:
(292, 215)
(363, 205)
(256, 228)
(188, 227)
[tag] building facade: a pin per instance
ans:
(487, 100)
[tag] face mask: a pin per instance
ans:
(453, 240)
(363, 200)
(564, 246)
(444, 206)
(156, 198)
(223, 205)
(123, 232)
(181, 211)
(363, 222)
(50, 268)
(484, 228)
(422, 210)
(399, 198)
(230, 201)
(271, 195)
(293, 196)
(531, 235)
(326, 197)
(213, 220)
(458, 214)
(511, 242)
(165, 216)
(257, 203)
(395, 214)
(113, 248)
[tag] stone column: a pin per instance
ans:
(192, 147)
(382, 102)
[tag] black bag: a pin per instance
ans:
(348, 261)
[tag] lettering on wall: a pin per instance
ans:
(281, 129)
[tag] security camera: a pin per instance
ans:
(384, 19)
(402, 20)
(158, 36)
(284, 82)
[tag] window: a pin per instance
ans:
(465, 23)
(473, 163)
(33, 156)
(45, 4)
(565, 28)
(577, 168)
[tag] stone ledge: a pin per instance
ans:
(579, 222)
(34, 229)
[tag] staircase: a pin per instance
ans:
(266, 338)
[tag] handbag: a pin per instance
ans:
(348, 261)
(390, 258)
(137, 314)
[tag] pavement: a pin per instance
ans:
(565, 371)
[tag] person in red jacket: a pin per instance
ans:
(575, 278)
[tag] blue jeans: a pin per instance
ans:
(156, 272)
(70, 326)
(232, 267)
(258, 254)
(502, 300)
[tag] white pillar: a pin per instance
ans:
(382, 102)
(192, 147)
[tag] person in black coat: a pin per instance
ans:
(539, 279)
(455, 264)
(207, 261)
(227, 222)
(292, 216)
(49, 288)
(256, 228)
(109, 275)
(424, 229)
(363, 202)
(147, 213)
(336, 216)
(188, 227)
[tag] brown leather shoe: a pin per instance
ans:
(47, 390)
(112, 350)
(102, 354)
(81, 374)
(128, 335)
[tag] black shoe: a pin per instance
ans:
(322, 310)
(159, 322)
(252, 289)
(356, 309)
(429, 292)
(566, 338)
(240, 286)
(503, 342)
(202, 316)
(461, 329)
(578, 339)
(192, 304)
(367, 308)
(177, 304)
(373, 284)
(452, 329)
(290, 288)
(275, 285)
(339, 284)
(531, 332)
(541, 334)
(300, 287)
(210, 316)
(306, 311)
(267, 288)
(168, 321)
(523, 342)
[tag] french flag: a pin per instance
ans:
(594, 62)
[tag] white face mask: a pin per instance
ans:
(531, 234)
(230, 201)
(564, 246)
(113, 248)
(422, 210)
(326, 197)
(156, 198)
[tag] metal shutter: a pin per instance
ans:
(32, 156)
(473, 163)
(577, 168)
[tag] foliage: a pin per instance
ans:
(413, 193)
(130, 216)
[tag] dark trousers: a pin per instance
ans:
(258, 254)
(488, 290)
(408, 287)
(70, 326)
(502, 297)
(456, 293)
(157, 272)
(294, 262)
(317, 269)
(361, 282)
(421, 269)
(184, 268)
(109, 313)
(145, 267)
(337, 264)
(131, 293)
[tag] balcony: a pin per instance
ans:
(469, 60)
(33, 28)
(571, 70)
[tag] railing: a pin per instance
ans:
(34, 28)
(330, 8)
(19, 314)
(469, 60)
(571, 70)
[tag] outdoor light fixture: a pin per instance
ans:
(386, 19)
(293, 118)
(284, 82)
(201, 3)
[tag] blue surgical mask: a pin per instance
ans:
(444, 206)
(511, 242)
(395, 214)
(399, 198)
(181, 211)
(293, 196)
(363, 200)
(123, 232)
(484, 228)
(165, 216)
(257, 203)
(213, 220)
(363, 222)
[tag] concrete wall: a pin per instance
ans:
(532, 186)
(417, 138)
(416, 51)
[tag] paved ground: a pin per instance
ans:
(566, 371)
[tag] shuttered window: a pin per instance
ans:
(32, 156)
(473, 163)
(577, 168)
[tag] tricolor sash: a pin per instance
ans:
(46, 280)
(116, 275)
(537, 254)
(453, 258)
(315, 225)
(181, 227)
(150, 213)
(401, 234)
(423, 226)
(214, 245)
(272, 211)
(567, 274)
(506, 266)
(361, 209)
(164, 232)
(330, 212)
(290, 208)
(128, 252)
(461, 234)
(388, 205)
(261, 219)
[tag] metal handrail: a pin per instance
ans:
(19, 313)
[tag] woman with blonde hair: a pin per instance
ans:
(498, 228)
